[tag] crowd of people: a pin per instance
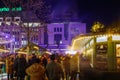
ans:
(40, 67)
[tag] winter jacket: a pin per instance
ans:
(54, 71)
(36, 71)
(20, 65)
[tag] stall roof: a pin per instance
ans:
(32, 47)
(79, 41)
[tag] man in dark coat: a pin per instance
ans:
(54, 70)
(20, 65)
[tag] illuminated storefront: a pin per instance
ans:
(102, 50)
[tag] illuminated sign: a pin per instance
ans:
(5, 9)
(101, 39)
(115, 37)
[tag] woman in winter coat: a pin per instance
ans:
(36, 71)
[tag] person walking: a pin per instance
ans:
(54, 70)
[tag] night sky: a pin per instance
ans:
(88, 11)
(105, 11)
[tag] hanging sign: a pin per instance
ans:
(6, 9)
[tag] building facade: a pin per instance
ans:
(60, 35)
(20, 31)
(25, 26)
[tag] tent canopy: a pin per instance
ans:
(30, 48)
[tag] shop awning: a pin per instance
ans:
(78, 43)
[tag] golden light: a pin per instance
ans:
(70, 52)
(3, 50)
(36, 47)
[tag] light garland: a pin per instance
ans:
(84, 38)
(5, 38)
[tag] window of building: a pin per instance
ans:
(25, 24)
(24, 42)
(17, 39)
(54, 29)
(17, 19)
(36, 24)
(1, 19)
(7, 45)
(8, 19)
(30, 24)
(57, 29)
(58, 38)
(60, 29)
(2, 23)
(16, 46)
(16, 43)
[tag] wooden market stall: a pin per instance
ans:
(102, 50)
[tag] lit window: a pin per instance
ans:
(60, 41)
(17, 19)
(8, 19)
(30, 24)
(57, 38)
(1, 19)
